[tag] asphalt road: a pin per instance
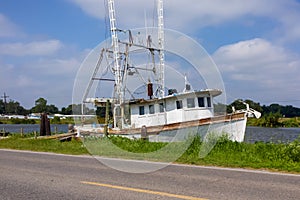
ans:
(28, 175)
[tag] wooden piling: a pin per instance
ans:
(42, 125)
(48, 130)
(144, 135)
(45, 125)
(106, 118)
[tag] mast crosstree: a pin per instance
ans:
(119, 91)
(119, 72)
(121, 67)
(161, 78)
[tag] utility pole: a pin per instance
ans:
(4, 98)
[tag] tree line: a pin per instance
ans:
(288, 111)
(14, 108)
(41, 106)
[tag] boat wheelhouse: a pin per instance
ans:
(174, 108)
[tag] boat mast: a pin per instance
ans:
(117, 68)
(161, 76)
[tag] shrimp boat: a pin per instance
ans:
(163, 113)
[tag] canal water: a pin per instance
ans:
(30, 128)
(253, 134)
(274, 135)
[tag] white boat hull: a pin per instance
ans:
(234, 130)
(233, 126)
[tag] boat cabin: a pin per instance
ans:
(174, 108)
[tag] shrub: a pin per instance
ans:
(22, 121)
(55, 120)
(292, 151)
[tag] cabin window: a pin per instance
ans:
(179, 104)
(208, 102)
(161, 107)
(201, 102)
(141, 110)
(151, 109)
(190, 102)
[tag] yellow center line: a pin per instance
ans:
(142, 191)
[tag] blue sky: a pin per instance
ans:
(255, 44)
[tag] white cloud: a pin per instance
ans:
(94, 8)
(256, 57)
(289, 19)
(259, 69)
(8, 28)
(39, 48)
(57, 67)
(31, 77)
(49, 78)
(191, 15)
(255, 52)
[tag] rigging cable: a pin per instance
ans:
(154, 13)
(105, 19)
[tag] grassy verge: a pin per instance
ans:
(27, 142)
(276, 157)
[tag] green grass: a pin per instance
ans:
(275, 157)
(27, 142)
(119, 147)
(281, 157)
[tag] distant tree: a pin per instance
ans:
(67, 110)
(290, 111)
(271, 120)
(238, 105)
(254, 105)
(55, 120)
(22, 111)
(275, 108)
(286, 111)
(11, 107)
(52, 109)
(40, 106)
(77, 109)
(14, 107)
(2, 108)
(220, 108)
